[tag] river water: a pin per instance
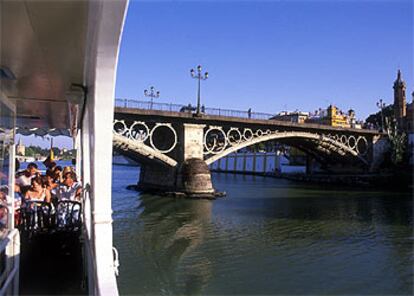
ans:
(268, 236)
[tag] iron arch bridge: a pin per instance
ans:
(165, 142)
(175, 148)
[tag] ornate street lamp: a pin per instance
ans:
(381, 105)
(152, 94)
(199, 77)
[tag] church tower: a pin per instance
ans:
(20, 148)
(399, 99)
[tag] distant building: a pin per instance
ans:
(332, 116)
(403, 112)
(20, 148)
(400, 104)
(296, 116)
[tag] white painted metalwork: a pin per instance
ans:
(116, 261)
(139, 131)
(215, 140)
(357, 149)
(140, 148)
(169, 126)
(140, 135)
(234, 136)
(248, 131)
(337, 143)
(9, 278)
(120, 127)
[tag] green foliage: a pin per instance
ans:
(398, 141)
(375, 119)
(34, 151)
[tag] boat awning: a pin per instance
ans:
(41, 132)
(42, 62)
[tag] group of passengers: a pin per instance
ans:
(56, 185)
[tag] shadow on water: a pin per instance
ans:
(172, 231)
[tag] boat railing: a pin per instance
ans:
(68, 215)
(10, 261)
(44, 217)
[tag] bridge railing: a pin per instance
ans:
(146, 105)
(237, 113)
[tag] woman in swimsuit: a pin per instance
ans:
(37, 191)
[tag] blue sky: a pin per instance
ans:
(268, 55)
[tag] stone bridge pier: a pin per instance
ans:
(182, 169)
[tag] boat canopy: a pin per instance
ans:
(41, 132)
(58, 64)
(43, 48)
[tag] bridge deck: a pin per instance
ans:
(131, 113)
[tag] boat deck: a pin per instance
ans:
(52, 264)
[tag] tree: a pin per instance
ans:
(398, 140)
(375, 119)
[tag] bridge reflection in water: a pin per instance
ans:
(266, 237)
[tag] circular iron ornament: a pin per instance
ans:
(336, 138)
(268, 132)
(248, 134)
(212, 142)
(352, 142)
(167, 125)
(234, 136)
(119, 127)
(344, 140)
(365, 145)
(139, 131)
(259, 133)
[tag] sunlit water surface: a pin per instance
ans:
(268, 236)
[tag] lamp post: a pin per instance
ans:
(199, 77)
(381, 105)
(152, 94)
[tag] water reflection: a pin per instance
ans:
(266, 237)
(172, 231)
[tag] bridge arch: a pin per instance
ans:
(138, 148)
(330, 144)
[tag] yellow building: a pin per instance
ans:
(332, 116)
(337, 118)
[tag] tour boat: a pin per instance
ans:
(57, 76)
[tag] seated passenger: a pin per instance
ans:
(37, 191)
(69, 189)
(57, 171)
(49, 180)
(24, 179)
(49, 163)
(68, 169)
